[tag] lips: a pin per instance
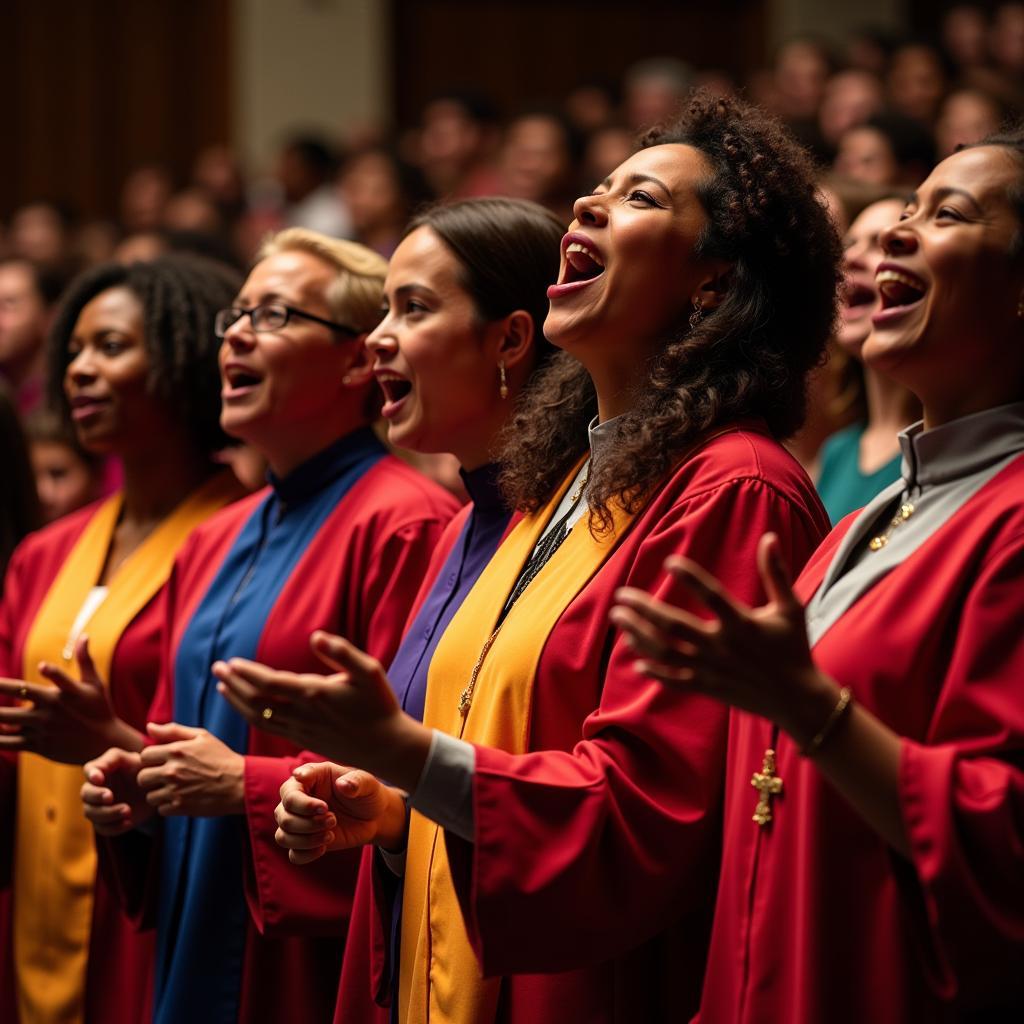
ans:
(239, 380)
(85, 406)
(901, 290)
(582, 264)
(396, 390)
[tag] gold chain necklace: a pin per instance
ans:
(466, 697)
(905, 511)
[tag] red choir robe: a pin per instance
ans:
(596, 851)
(817, 918)
(356, 578)
(120, 963)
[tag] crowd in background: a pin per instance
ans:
(877, 113)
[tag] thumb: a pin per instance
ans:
(86, 666)
(775, 574)
(356, 783)
(170, 731)
(332, 650)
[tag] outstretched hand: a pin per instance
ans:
(755, 659)
(111, 796)
(351, 715)
(328, 807)
(70, 721)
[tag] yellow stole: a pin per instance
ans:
(440, 978)
(55, 856)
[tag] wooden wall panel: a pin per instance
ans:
(93, 88)
(525, 51)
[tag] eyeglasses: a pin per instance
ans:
(272, 316)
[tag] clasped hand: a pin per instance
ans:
(328, 807)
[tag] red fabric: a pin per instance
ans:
(597, 856)
(120, 959)
(817, 918)
(358, 578)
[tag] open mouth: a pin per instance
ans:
(581, 264)
(238, 378)
(859, 296)
(396, 389)
(899, 289)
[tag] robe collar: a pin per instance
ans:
(962, 446)
(482, 487)
(318, 472)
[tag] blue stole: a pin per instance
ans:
(203, 919)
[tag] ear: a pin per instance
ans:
(514, 336)
(360, 369)
(714, 286)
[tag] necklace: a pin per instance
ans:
(542, 554)
(903, 513)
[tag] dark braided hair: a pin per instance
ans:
(180, 295)
(748, 358)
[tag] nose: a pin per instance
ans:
(899, 239)
(590, 210)
(240, 336)
(381, 342)
(80, 368)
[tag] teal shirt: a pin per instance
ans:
(842, 486)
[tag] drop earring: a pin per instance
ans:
(503, 383)
(697, 315)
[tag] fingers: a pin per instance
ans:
(307, 856)
(170, 732)
(23, 690)
(356, 783)
(674, 622)
(260, 712)
(647, 639)
(96, 794)
(337, 653)
(256, 682)
(86, 666)
(710, 592)
(297, 801)
(775, 574)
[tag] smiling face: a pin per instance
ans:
(863, 253)
(629, 274)
(435, 360)
(106, 379)
(283, 390)
(948, 328)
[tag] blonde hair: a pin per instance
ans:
(357, 290)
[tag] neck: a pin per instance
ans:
(890, 405)
(288, 450)
(155, 486)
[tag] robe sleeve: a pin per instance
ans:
(12, 599)
(316, 899)
(582, 855)
(962, 796)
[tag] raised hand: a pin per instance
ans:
(328, 807)
(756, 659)
(111, 797)
(189, 771)
(351, 716)
(71, 721)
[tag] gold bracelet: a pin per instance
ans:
(844, 702)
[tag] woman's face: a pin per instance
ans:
(862, 255)
(283, 384)
(950, 288)
(435, 360)
(865, 155)
(628, 274)
(106, 379)
(64, 481)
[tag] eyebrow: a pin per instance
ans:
(405, 289)
(945, 193)
(638, 178)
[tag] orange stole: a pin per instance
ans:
(55, 856)
(440, 979)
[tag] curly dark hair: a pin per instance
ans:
(179, 294)
(748, 358)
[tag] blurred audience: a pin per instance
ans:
(67, 477)
(24, 320)
(19, 508)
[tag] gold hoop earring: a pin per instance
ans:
(697, 315)
(503, 383)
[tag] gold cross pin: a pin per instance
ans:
(767, 784)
